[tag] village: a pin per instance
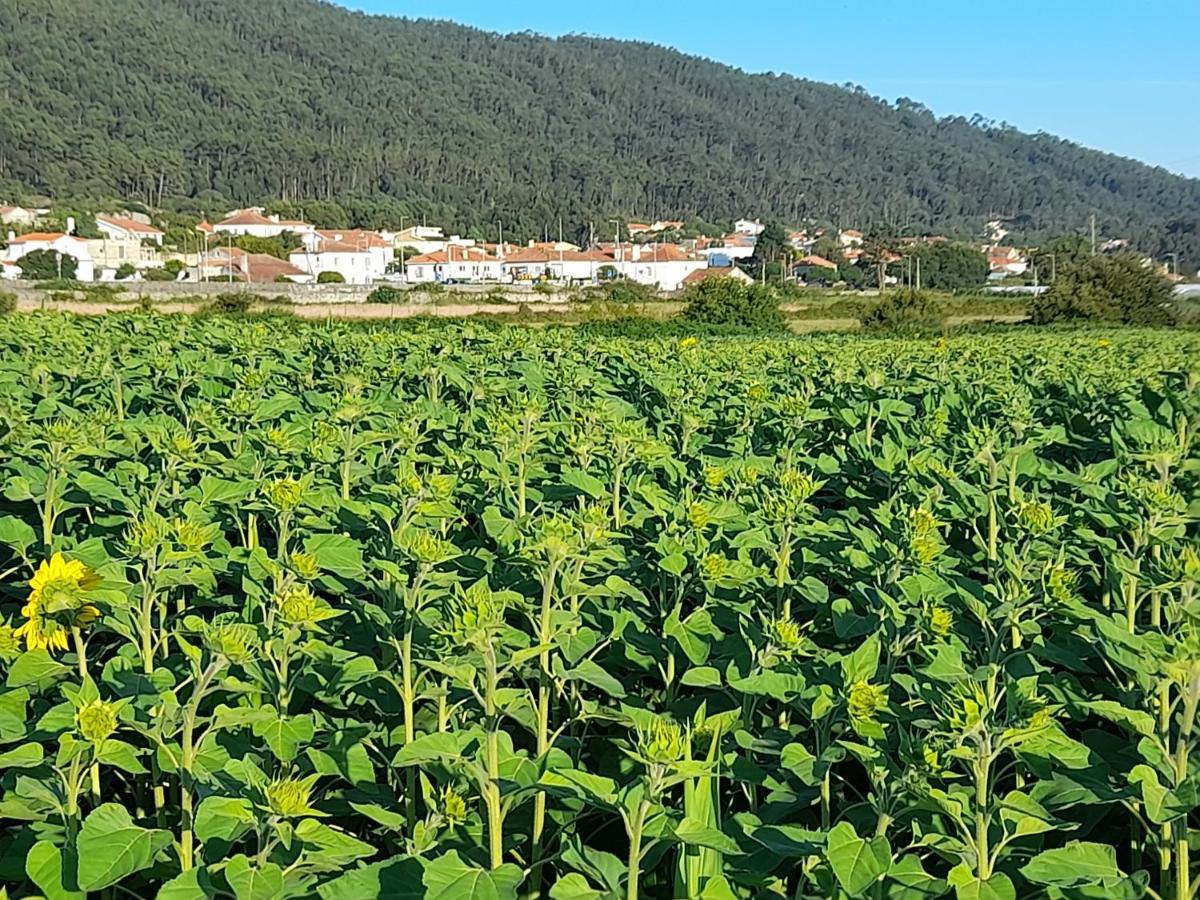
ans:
(126, 246)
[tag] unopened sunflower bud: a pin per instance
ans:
(284, 493)
(96, 720)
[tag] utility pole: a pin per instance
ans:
(1175, 260)
(918, 273)
(1093, 234)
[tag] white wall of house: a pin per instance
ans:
(260, 231)
(116, 232)
(565, 270)
(666, 276)
(65, 244)
(459, 270)
(356, 267)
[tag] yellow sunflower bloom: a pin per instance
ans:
(57, 602)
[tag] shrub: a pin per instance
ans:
(41, 265)
(621, 290)
(723, 301)
(545, 288)
(231, 304)
(907, 310)
(160, 274)
(331, 278)
(1106, 288)
(8, 304)
(386, 294)
(125, 270)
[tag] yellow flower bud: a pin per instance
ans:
(96, 720)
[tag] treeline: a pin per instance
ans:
(196, 105)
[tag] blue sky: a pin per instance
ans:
(1117, 75)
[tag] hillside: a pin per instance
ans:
(201, 104)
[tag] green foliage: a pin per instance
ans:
(8, 304)
(331, 278)
(904, 311)
(474, 611)
(1106, 288)
(771, 248)
(855, 277)
(125, 270)
(160, 273)
(545, 288)
(44, 265)
(279, 246)
(944, 266)
(619, 291)
(386, 294)
(232, 304)
(275, 103)
(724, 301)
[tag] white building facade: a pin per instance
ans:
(454, 264)
(64, 244)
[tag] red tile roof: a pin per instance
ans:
(711, 272)
(39, 237)
(246, 217)
(546, 255)
(128, 224)
(453, 253)
(819, 261)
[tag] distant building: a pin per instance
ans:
(716, 272)
(995, 231)
(57, 241)
(110, 254)
(235, 264)
(638, 228)
(574, 265)
(1005, 261)
(20, 216)
(664, 266)
(737, 245)
(456, 263)
(122, 228)
(850, 238)
(424, 239)
(752, 227)
(360, 257)
(805, 267)
(252, 223)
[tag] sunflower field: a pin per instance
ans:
(464, 611)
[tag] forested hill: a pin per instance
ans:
(221, 102)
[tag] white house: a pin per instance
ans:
(456, 263)
(252, 223)
(532, 263)
(360, 257)
(20, 216)
(664, 266)
(426, 239)
(751, 227)
(235, 264)
(121, 228)
(1004, 261)
(850, 238)
(733, 246)
(65, 244)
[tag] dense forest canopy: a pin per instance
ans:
(203, 104)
